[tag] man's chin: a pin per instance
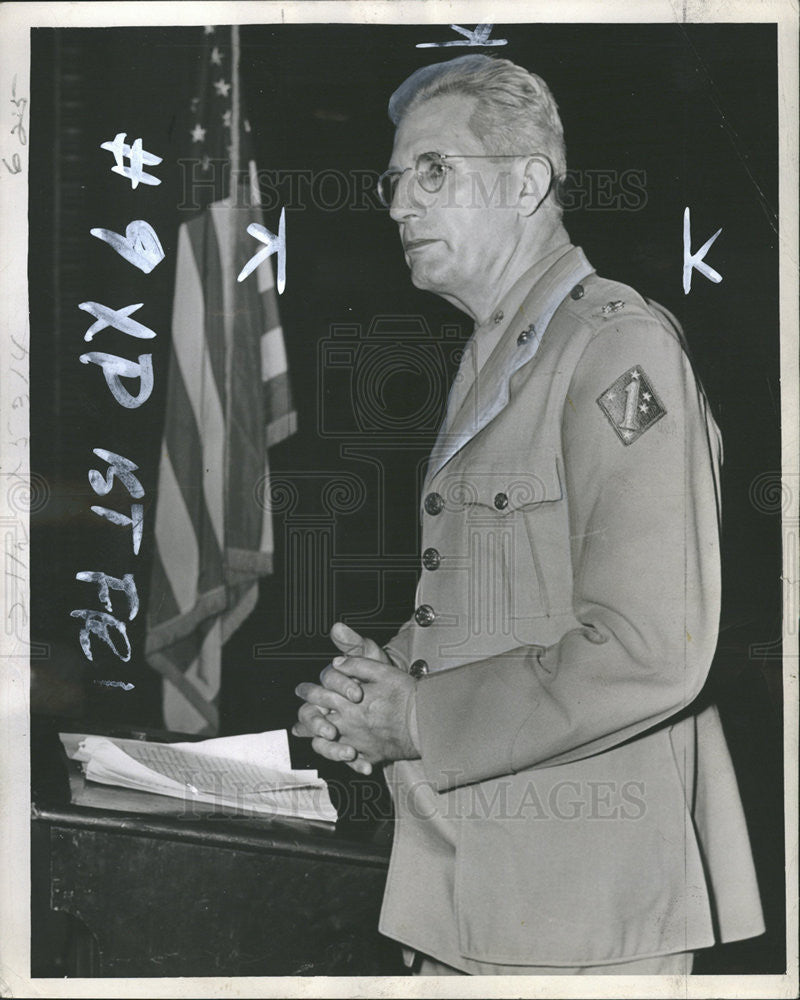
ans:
(422, 278)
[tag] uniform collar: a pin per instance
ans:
(511, 302)
(489, 394)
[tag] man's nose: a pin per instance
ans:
(405, 203)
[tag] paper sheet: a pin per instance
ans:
(270, 749)
(181, 771)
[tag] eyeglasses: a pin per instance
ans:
(431, 170)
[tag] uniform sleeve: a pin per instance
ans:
(644, 535)
(399, 646)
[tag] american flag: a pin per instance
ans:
(228, 401)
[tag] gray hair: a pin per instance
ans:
(515, 111)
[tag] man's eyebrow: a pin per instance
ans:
(415, 156)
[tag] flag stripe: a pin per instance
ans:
(278, 430)
(167, 607)
(269, 303)
(205, 255)
(173, 630)
(244, 605)
(185, 452)
(177, 542)
(273, 354)
(199, 381)
(281, 418)
(178, 687)
(203, 672)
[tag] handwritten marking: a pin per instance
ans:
(137, 156)
(272, 244)
(16, 164)
(139, 246)
(116, 368)
(478, 37)
(120, 467)
(134, 521)
(98, 623)
(115, 684)
(20, 347)
(695, 260)
(20, 104)
(104, 581)
(116, 318)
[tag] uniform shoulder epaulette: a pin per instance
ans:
(600, 300)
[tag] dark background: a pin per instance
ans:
(692, 109)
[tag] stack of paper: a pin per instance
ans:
(251, 772)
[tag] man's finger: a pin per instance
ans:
(333, 751)
(361, 764)
(316, 695)
(335, 680)
(311, 721)
(353, 644)
(362, 669)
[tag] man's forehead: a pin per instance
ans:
(440, 124)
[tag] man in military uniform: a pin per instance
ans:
(561, 806)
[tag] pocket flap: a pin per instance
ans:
(503, 485)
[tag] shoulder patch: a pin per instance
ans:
(631, 405)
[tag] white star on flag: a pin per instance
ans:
(646, 396)
(226, 119)
(635, 374)
(198, 133)
(222, 88)
(216, 57)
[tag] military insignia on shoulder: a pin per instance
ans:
(612, 307)
(631, 405)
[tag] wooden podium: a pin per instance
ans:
(131, 884)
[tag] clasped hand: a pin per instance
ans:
(359, 712)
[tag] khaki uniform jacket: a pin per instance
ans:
(569, 809)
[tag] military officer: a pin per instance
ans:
(563, 803)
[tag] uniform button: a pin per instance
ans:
(418, 669)
(498, 317)
(501, 501)
(526, 335)
(577, 292)
(434, 503)
(431, 559)
(424, 615)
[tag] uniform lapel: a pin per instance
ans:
(489, 393)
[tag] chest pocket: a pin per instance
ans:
(500, 488)
(506, 520)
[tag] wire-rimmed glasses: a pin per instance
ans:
(430, 170)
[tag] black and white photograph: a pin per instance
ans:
(400, 488)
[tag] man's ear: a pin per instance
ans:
(537, 178)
